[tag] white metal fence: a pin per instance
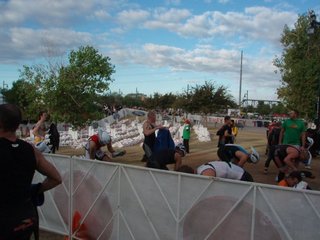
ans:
(116, 201)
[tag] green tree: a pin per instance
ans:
(299, 67)
(71, 93)
(209, 98)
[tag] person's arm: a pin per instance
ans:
(38, 125)
(303, 140)
(110, 148)
(148, 130)
(209, 172)
(53, 177)
(292, 154)
(243, 157)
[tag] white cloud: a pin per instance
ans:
(129, 18)
(26, 43)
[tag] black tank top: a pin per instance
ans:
(151, 139)
(18, 164)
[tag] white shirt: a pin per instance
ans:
(222, 169)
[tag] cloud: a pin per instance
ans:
(129, 18)
(26, 43)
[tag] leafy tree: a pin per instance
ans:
(71, 93)
(299, 67)
(209, 98)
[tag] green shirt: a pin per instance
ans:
(293, 128)
(186, 132)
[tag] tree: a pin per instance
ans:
(299, 67)
(209, 98)
(71, 93)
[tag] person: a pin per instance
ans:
(219, 169)
(287, 157)
(186, 134)
(234, 131)
(293, 130)
(273, 139)
(291, 180)
(149, 129)
(39, 130)
(96, 142)
(225, 132)
(19, 161)
(237, 154)
(162, 158)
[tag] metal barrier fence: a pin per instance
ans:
(116, 201)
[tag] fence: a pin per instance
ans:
(115, 201)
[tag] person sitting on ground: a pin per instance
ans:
(237, 154)
(162, 158)
(287, 158)
(19, 161)
(96, 142)
(219, 169)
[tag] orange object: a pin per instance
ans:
(80, 229)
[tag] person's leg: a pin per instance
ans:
(269, 158)
(186, 144)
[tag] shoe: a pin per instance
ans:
(265, 171)
(307, 167)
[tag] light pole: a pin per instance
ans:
(312, 29)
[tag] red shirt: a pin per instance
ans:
(96, 140)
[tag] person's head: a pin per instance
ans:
(180, 148)
(303, 155)
(227, 120)
(185, 169)
(42, 113)
(152, 116)
(104, 137)
(10, 117)
(187, 121)
(254, 156)
(294, 178)
(293, 114)
(232, 123)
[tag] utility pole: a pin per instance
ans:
(240, 80)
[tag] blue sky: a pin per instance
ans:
(156, 46)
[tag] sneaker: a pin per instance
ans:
(307, 167)
(265, 171)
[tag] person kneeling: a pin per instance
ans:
(219, 169)
(160, 159)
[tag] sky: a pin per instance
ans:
(156, 46)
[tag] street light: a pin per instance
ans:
(312, 29)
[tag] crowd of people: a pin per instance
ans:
(287, 146)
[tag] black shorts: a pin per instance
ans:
(246, 177)
(19, 224)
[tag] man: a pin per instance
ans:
(220, 169)
(96, 142)
(293, 130)
(149, 129)
(225, 132)
(237, 154)
(163, 157)
(186, 134)
(19, 160)
(234, 131)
